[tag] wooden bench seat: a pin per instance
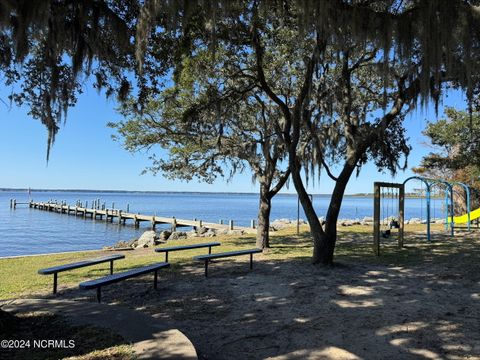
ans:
(186, 247)
(76, 265)
(207, 258)
(110, 279)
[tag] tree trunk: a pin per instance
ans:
(263, 222)
(329, 239)
(316, 230)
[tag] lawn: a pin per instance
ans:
(421, 301)
(20, 279)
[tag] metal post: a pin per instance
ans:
(401, 215)
(251, 261)
(376, 219)
(428, 213)
(447, 209)
(467, 191)
(55, 279)
(111, 267)
(452, 224)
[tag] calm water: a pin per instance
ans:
(29, 231)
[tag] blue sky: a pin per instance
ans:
(85, 157)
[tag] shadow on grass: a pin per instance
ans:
(420, 301)
(48, 336)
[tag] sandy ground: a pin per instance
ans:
(427, 308)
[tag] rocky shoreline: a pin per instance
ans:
(151, 238)
(367, 221)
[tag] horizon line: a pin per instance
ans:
(159, 191)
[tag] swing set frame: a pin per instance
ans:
(429, 184)
(377, 191)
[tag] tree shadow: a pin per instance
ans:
(43, 335)
(412, 303)
(417, 302)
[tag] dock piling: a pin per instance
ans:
(62, 207)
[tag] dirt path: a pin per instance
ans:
(426, 308)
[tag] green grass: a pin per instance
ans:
(20, 279)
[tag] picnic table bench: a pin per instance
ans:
(110, 279)
(76, 265)
(186, 247)
(207, 258)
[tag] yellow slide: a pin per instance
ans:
(463, 219)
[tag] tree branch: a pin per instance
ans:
(261, 76)
(281, 182)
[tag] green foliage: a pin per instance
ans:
(457, 154)
(209, 121)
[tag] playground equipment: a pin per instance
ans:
(467, 218)
(389, 221)
(470, 215)
(385, 194)
(379, 190)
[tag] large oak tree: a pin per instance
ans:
(417, 47)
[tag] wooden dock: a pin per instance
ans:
(121, 217)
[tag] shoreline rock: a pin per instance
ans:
(279, 224)
(148, 239)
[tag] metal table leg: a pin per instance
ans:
(55, 282)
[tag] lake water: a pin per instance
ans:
(29, 231)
